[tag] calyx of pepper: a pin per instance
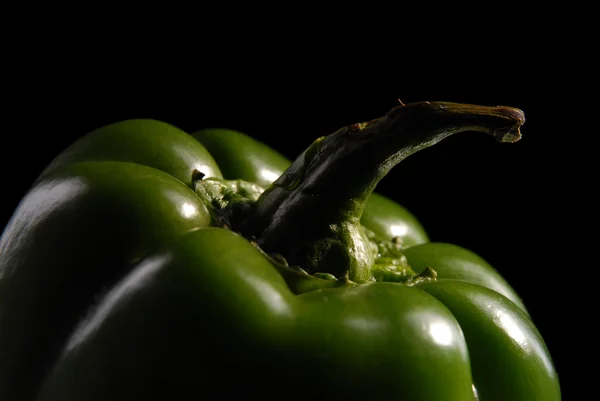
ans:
(311, 214)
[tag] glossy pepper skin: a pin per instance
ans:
(119, 281)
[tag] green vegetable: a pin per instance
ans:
(146, 263)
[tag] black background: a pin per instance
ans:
(506, 202)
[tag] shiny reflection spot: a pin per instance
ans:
(188, 210)
(441, 333)
(511, 327)
(269, 175)
(365, 325)
(206, 170)
(51, 195)
(137, 279)
(399, 230)
(38, 205)
(269, 295)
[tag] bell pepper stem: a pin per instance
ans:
(311, 214)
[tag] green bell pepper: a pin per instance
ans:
(148, 263)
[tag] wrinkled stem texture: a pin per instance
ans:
(311, 214)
